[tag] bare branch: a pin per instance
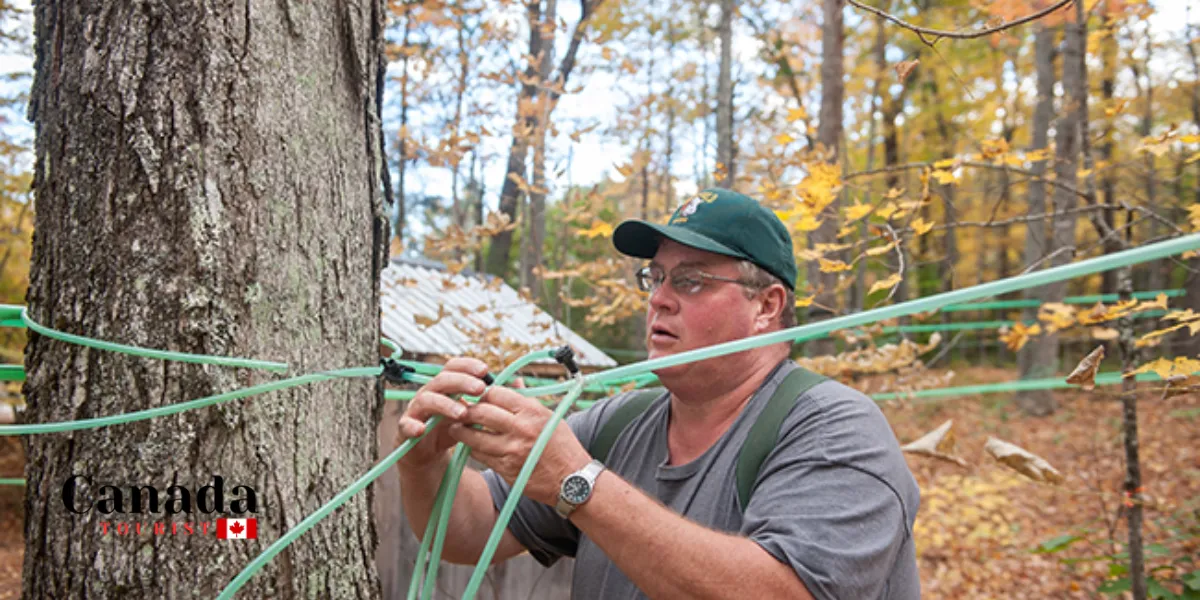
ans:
(959, 35)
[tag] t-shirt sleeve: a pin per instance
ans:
(537, 526)
(834, 499)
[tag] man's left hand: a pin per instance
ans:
(512, 423)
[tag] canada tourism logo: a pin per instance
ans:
(81, 495)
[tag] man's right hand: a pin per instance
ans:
(458, 376)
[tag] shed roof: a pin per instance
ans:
(429, 311)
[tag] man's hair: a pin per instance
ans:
(758, 279)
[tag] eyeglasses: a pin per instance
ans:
(686, 281)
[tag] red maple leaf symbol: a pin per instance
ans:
(236, 528)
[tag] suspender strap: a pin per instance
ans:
(622, 417)
(763, 437)
(765, 432)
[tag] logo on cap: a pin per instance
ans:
(681, 216)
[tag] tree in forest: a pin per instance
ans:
(208, 180)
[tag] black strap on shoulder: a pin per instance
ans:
(765, 432)
(622, 417)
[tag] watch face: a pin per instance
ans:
(576, 489)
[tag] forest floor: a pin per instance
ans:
(978, 526)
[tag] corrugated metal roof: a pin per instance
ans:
(467, 304)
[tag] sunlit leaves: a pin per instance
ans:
(1167, 368)
(1018, 335)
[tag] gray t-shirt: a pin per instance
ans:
(834, 500)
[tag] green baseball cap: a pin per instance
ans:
(719, 221)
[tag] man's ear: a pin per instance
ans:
(772, 303)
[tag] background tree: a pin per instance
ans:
(208, 180)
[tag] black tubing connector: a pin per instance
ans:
(488, 379)
(566, 357)
(394, 372)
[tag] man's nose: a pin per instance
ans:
(663, 298)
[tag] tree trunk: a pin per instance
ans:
(226, 163)
(402, 151)
(532, 251)
(1108, 184)
(1191, 345)
(726, 154)
(829, 134)
(1129, 431)
(1036, 243)
(527, 123)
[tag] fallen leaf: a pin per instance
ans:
(1084, 374)
(1022, 461)
(803, 302)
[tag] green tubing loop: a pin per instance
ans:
(225, 361)
(439, 517)
(360, 484)
(170, 409)
(812, 331)
(393, 346)
(518, 488)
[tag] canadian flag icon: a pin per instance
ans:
(237, 529)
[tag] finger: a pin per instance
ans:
(518, 383)
(410, 427)
(491, 416)
(428, 403)
(473, 367)
(479, 441)
(507, 399)
(451, 383)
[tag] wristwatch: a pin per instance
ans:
(577, 487)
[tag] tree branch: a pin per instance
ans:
(938, 33)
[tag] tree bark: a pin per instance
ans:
(1036, 244)
(208, 181)
(829, 134)
(726, 153)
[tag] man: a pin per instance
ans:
(832, 508)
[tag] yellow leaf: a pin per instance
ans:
(833, 266)
(784, 139)
(808, 223)
(1016, 337)
(1191, 159)
(857, 211)
(1105, 334)
(796, 114)
(845, 231)
(945, 163)
(806, 301)
(893, 193)
(598, 229)
(885, 284)
(945, 177)
(785, 215)
(1166, 369)
(1037, 155)
(887, 210)
(881, 250)
(920, 226)
(1190, 139)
